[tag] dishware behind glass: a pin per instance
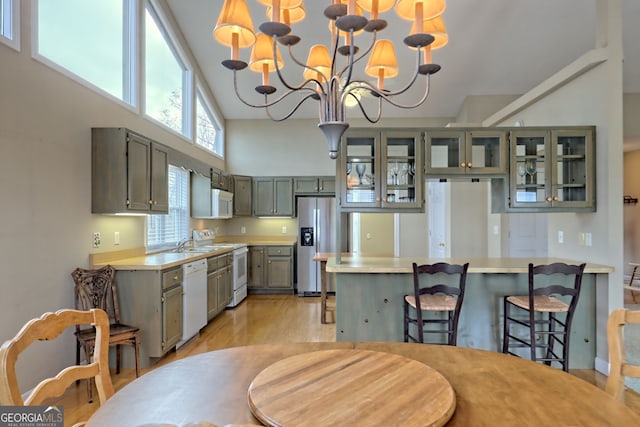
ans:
(360, 168)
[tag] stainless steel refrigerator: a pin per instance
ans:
(317, 233)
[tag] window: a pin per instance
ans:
(95, 40)
(208, 134)
(166, 230)
(9, 23)
(166, 78)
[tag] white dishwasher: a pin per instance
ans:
(194, 303)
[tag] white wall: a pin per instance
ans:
(45, 190)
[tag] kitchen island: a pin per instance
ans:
(370, 293)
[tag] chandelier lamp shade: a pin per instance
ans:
(329, 75)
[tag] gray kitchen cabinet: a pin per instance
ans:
(129, 173)
(380, 171)
(280, 267)
(472, 153)
(242, 195)
(270, 269)
(152, 301)
(220, 179)
(219, 283)
(551, 170)
(273, 196)
(305, 185)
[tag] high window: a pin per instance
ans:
(101, 45)
(94, 40)
(208, 131)
(166, 77)
(9, 23)
(166, 230)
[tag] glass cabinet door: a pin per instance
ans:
(571, 157)
(529, 171)
(401, 160)
(459, 152)
(360, 164)
(486, 152)
(445, 152)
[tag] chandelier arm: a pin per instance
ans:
(293, 110)
(387, 96)
(266, 104)
(364, 112)
(364, 54)
(281, 78)
(302, 64)
(389, 99)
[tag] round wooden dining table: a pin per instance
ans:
(491, 389)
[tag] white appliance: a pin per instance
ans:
(221, 204)
(203, 240)
(194, 302)
(240, 255)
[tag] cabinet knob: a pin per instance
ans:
(549, 199)
(175, 277)
(469, 165)
(555, 199)
(462, 165)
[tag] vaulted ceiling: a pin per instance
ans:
(496, 47)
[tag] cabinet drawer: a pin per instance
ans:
(212, 263)
(171, 278)
(226, 260)
(280, 250)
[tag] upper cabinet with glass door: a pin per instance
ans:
(381, 171)
(552, 170)
(451, 152)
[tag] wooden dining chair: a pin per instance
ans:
(432, 298)
(97, 289)
(619, 366)
(48, 327)
(547, 300)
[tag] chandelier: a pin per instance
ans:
(328, 75)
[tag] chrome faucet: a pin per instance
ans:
(181, 244)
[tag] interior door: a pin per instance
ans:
(438, 212)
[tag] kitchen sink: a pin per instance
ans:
(205, 249)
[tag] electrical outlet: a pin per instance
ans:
(96, 239)
(560, 236)
(581, 239)
(284, 229)
(243, 230)
(116, 238)
(588, 239)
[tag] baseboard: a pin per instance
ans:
(602, 366)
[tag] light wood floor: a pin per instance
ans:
(258, 320)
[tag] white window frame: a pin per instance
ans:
(185, 209)
(13, 41)
(130, 57)
(213, 115)
(188, 102)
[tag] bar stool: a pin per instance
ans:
(555, 313)
(435, 298)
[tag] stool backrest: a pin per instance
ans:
(440, 288)
(572, 290)
(619, 367)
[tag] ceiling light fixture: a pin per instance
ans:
(324, 77)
